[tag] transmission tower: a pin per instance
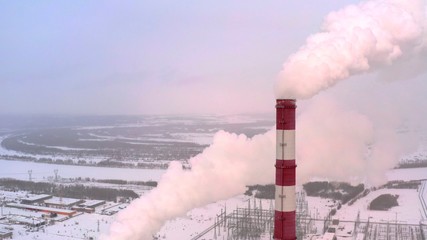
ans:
(56, 174)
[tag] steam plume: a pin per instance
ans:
(356, 39)
(221, 171)
(337, 144)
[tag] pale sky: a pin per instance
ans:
(143, 57)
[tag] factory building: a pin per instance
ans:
(92, 203)
(42, 209)
(66, 203)
(35, 199)
(88, 206)
(28, 221)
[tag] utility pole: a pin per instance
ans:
(30, 172)
(56, 175)
(396, 226)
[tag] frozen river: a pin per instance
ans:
(41, 171)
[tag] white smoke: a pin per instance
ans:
(356, 39)
(331, 142)
(223, 170)
(338, 144)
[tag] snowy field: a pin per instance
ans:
(409, 209)
(198, 219)
(407, 174)
(42, 171)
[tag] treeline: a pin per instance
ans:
(72, 191)
(413, 184)
(413, 164)
(82, 192)
(261, 191)
(17, 157)
(33, 187)
(124, 182)
(44, 160)
(144, 165)
(341, 191)
(384, 202)
(105, 163)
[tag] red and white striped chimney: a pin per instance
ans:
(285, 207)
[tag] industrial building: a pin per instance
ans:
(88, 206)
(57, 202)
(42, 209)
(91, 203)
(25, 220)
(35, 199)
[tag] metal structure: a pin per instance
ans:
(285, 202)
(56, 175)
(249, 223)
(254, 222)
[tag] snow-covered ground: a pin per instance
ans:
(407, 174)
(198, 219)
(86, 225)
(408, 211)
(83, 226)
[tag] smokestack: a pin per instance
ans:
(285, 208)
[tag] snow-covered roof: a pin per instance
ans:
(36, 197)
(62, 201)
(26, 220)
(92, 203)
